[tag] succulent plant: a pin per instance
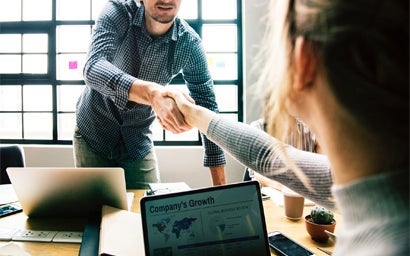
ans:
(321, 215)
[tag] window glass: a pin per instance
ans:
(10, 10)
(97, 7)
(36, 129)
(67, 96)
(10, 98)
(66, 124)
(74, 39)
(36, 10)
(32, 94)
(220, 38)
(226, 103)
(35, 63)
(35, 43)
(10, 64)
(70, 66)
(188, 10)
(223, 66)
(190, 135)
(10, 43)
(10, 125)
(55, 54)
(225, 9)
(73, 9)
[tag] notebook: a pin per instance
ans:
(68, 192)
(220, 220)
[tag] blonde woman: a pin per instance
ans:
(343, 69)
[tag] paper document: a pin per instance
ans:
(121, 233)
(12, 249)
(165, 188)
(7, 194)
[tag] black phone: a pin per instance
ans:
(8, 209)
(286, 246)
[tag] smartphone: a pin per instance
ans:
(265, 196)
(286, 246)
(8, 209)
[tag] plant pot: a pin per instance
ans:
(317, 231)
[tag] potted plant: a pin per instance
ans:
(319, 220)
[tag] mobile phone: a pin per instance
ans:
(265, 196)
(286, 246)
(9, 209)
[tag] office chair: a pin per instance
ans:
(10, 156)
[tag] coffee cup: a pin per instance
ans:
(293, 204)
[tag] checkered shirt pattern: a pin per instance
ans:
(122, 51)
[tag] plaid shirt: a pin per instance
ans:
(122, 51)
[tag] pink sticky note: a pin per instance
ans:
(72, 64)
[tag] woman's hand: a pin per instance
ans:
(167, 112)
(184, 102)
(194, 115)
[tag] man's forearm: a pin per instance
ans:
(218, 175)
(142, 91)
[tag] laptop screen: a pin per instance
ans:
(68, 192)
(220, 220)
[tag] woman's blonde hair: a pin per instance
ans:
(364, 48)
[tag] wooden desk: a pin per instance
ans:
(275, 220)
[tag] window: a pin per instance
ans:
(43, 46)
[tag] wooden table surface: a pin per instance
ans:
(274, 214)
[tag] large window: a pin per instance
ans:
(43, 45)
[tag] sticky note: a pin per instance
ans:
(72, 64)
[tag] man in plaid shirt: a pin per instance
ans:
(137, 49)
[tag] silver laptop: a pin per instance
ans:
(68, 192)
(221, 220)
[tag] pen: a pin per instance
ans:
(325, 251)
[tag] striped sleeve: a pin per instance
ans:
(266, 155)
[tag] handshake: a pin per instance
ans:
(176, 111)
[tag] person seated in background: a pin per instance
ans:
(306, 141)
(342, 67)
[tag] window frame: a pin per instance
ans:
(50, 78)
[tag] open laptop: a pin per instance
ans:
(220, 220)
(68, 192)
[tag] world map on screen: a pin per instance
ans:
(169, 227)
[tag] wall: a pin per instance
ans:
(175, 163)
(253, 29)
(185, 163)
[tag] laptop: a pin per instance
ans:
(220, 220)
(68, 192)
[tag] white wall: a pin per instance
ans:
(175, 163)
(253, 29)
(184, 163)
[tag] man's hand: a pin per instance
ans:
(155, 95)
(168, 114)
(194, 115)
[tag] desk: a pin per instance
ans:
(275, 220)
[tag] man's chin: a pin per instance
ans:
(164, 20)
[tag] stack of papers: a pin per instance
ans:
(120, 233)
(7, 194)
(165, 188)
